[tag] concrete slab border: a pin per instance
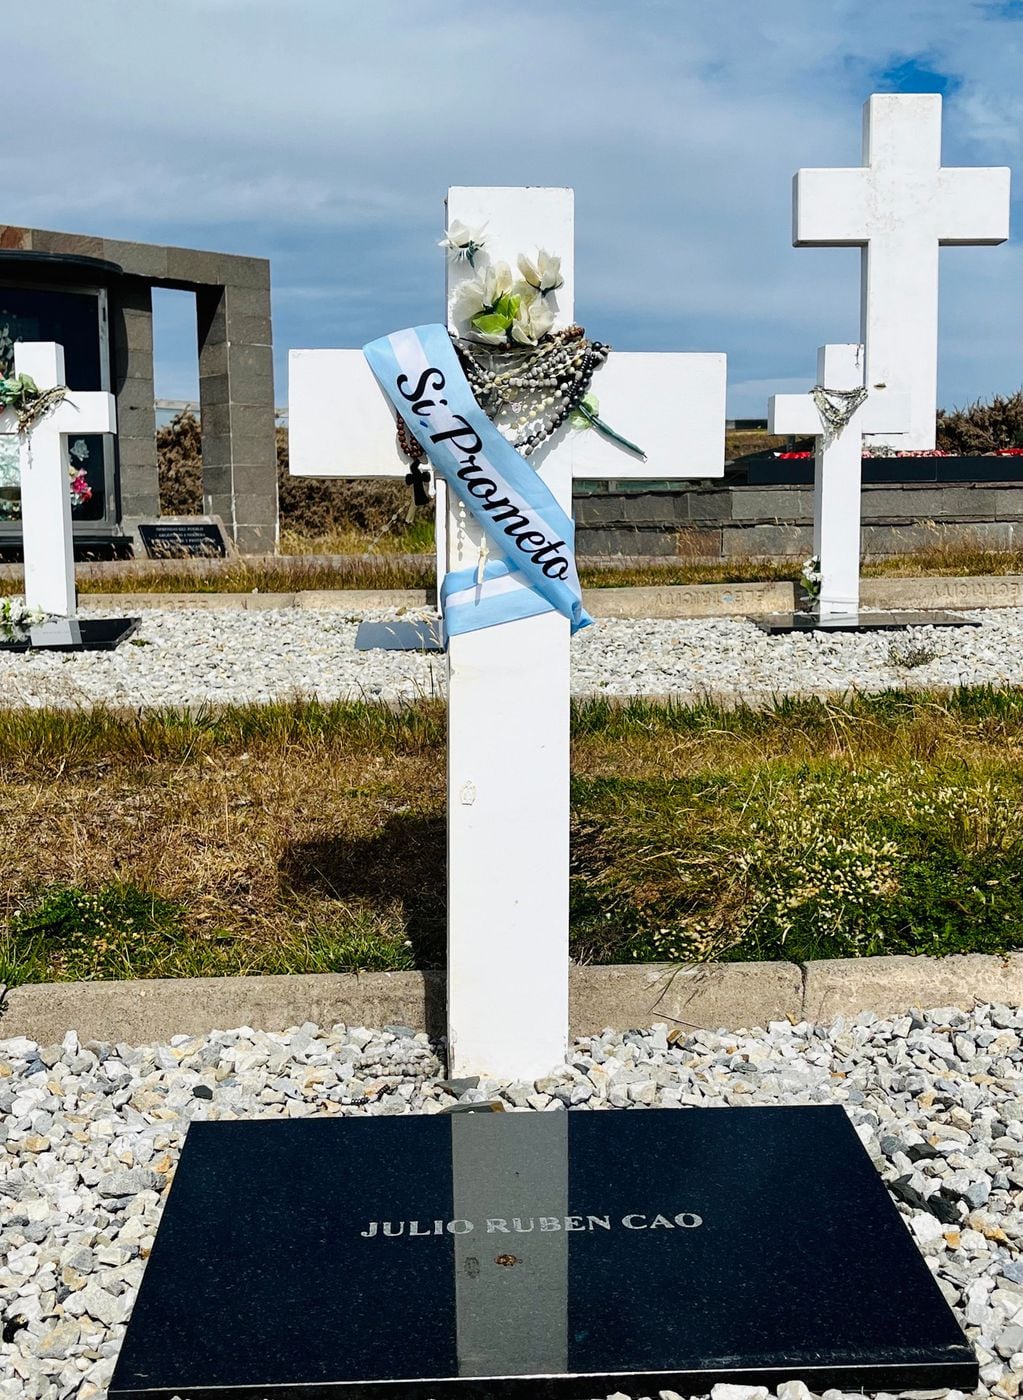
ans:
(714, 996)
(690, 600)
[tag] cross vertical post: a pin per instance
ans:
(900, 206)
(508, 749)
(45, 489)
(838, 467)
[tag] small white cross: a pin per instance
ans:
(45, 479)
(900, 206)
(508, 686)
(838, 467)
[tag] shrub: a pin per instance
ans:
(79, 935)
(983, 427)
(803, 863)
(308, 505)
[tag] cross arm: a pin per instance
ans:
(84, 413)
(78, 414)
(830, 207)
(340, 421)
(793, 413)
(670, 405)
(973, 205)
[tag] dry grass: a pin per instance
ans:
(311, 837)
(298, 572)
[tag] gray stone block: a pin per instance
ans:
(141, 259)
(15, 238)
(890, 986)
(649, 509)
(214, 392)
(598, 511)
(248, 330)
(246, 301)
(194, 265)
(789, 541)
(239, 271)
(256, 508)
(1007, 502)
(707, 506)
(254, 479)
(257, 539)
(79, 245)
(772, 504)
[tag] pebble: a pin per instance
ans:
(191, 656)
(79, 1211)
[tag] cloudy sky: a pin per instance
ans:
(323, 134)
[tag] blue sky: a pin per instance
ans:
(323, 134)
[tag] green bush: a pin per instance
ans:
(802, 862)
(983, 427)
(72, 934)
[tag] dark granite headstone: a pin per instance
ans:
(72, 634)
(540, 1255)
(184, 537)
(775, 623)
(400, 636)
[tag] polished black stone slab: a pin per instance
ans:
(73, 634)
(776, 623)
(400, 636)
(540, 1255)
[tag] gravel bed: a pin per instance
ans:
(91, 1134)
(190, 656)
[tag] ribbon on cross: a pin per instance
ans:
(534, 539)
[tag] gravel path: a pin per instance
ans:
(92, 1133)
(190, 656)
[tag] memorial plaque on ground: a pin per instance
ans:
(184, 537)
(71, 634)
(540, 1255)
(780, 623)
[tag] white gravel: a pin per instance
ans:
(188, 657)
(90, 1136)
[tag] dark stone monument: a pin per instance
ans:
(540, 1255)
(400, 636)
(777, 623)
(184, 537)
(71, 634)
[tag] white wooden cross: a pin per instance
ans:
(45, 480)
(838, 467)
(899, 207)
(508, 686)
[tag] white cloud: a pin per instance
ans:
(324, 134)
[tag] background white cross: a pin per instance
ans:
(900, 206)
(838, 467)
(45, 480)
(508, 686)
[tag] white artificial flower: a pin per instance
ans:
(479, 293)
(535, 318)
(545, 274)
(462, 242)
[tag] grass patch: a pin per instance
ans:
(300, 837)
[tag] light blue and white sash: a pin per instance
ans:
(534, 539)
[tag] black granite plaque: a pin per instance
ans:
(72, 634)
(183, 539)
(400, 636)
(540, 1255)
(775, 623)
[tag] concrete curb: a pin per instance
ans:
(715, 996)
(689, 600)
